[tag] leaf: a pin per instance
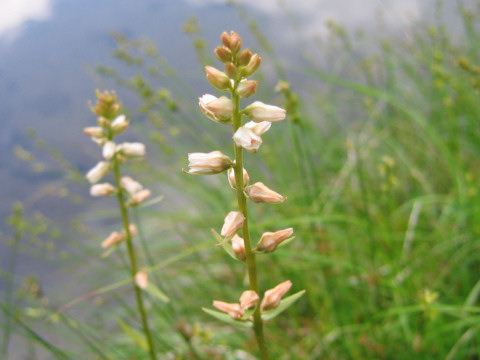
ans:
(156, 292)
(284, 305)
(227, 318)
(134, 334)
(225, 243)
(110, 250)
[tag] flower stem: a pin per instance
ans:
(242, 206)
(132, 258)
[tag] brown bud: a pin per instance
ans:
(234, 310)
(272, 297)
(231, 70)
(270, 240)
(244, 57)
(252, 65)
(113, 239)
(232, 223)
(225, 39)
(217, 78)
(235, 42)
(238, 246)
(249, 299)
(260, 193)
(223, 54)
(247, 88)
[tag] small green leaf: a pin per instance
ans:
(156, 292)
(284, 305)
(225, 243)
(110, 250)
(134, 334)
(227, 318)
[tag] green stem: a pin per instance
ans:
(132, 257)
(242, 206)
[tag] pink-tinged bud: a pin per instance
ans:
(259, 111)
(103, 122)
(133, 230)
(104, 189)
(94, 131)
(223, 54)
(98, 172)
(259, 128)
(208, 163)
(131, 149)
(247, 139)
(233, 222)
(244, 57)
(270, 240)
(141, 279)
(130, 185)
(225, 39)
(231, 70)
(260, 193)
(249, 299)
(238, 246)
(113, 239)
(252, 66)
(234, 310)
(108, 150)
(247, 88)
(217, 78)
(218, 109)
(233, 182)
(119, 124)
(272, 297)
(139, 197)
(235, 42)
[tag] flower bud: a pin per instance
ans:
(259, 111)
(208, 163)
(98, 172)
(252, 66)
(247, 88)
(102, 121)
(104, 189)
(272, 297)
(260, 193)
(108, 150)
(270, 240)
(238, 246)
(217, 78)
(231, 70)
(225, 39)
(223, 54)
(244, 57)
(131, 149)
(119, 124)
(234, 310)
(217, 109)
(141, 279)
(247, 139)
(113, 239)
(232, 181)
(259, 128)
(130, 185)
(133, 230)
(139, 197)
(94, 131)
(233, 222)
(249, 299)
(235, 42)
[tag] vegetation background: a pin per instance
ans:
(378, 158)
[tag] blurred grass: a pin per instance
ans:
(379, 160)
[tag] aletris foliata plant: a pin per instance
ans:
(251, 310)
(128, 191)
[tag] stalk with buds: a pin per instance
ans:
(128, 191)
(251, 310)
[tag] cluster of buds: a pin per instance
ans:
(249, 300)
(239, 65)
(110, 124)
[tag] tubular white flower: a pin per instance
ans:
(217, 109)
(131, 149)
(130, 185)
(119, 124)
(259, 128)
(247, 139)
(104, 189)
(109, 150)
(140, 196)
(98, 172)
(208, 163)
(94, 131)
(258, 112)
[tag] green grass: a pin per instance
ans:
(380, 165)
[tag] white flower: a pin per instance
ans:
(258, 111)
(130, 185)
(104, 189)
(259, 128)
(217, 109)
(208, 163)
(108, 150)
(98, 172)
(94, 131)
(119, 124)
(131, 148)
(247, 139)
